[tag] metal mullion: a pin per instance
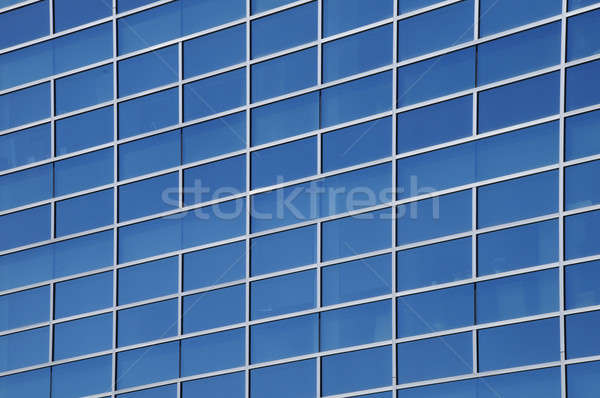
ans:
(247, 358)
(394, 185)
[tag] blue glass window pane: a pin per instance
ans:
(221, 221)
(24, 24)
(290, 380)
(149, 70)
(215, 137)
(201, 15)
(519, 53)
(285, 29)
(137, 367)
(581, 135)
(435, 358)
(580, 189)
(503, 15)
(169, 391)
(84, 89)
(581, 232)
(35, 383)
(214, 308)
(355, 280)
(70, 13)
(84, 130)
(148, 280)
(214, 180)
(259, 6)
(342, 15)
(214, 94)
(361, 324)
(83, 172)
(357, 53)
(357, 370)
(271, 122)
(150, 154)
(288, 293)
(580, 341)
(23, 349)
(25, 146)
(149, 238)
(357, 144)
(25, 227)
(150, 112)
(421, 266)
(413, 88)
(83, 336)
(286, 338)
(434, 311)
(582, 35)
(225, 386)
(581, 89)
(519, 247)
(357, 234)
(83, 47)
(503, 347)
(583, 380)
(581, 287)
(24, 308)
(25, 106)
(285, 162)
(435, 124)
(226, 47)
(574, 4)
(213, 352)
(432, 218)
(214, 266)
(150, 196)
(27, 186)
(81, 378)
(83, 254)
(434, 30)
(83, 295)
(283, 250)
(147, 322)
(519, 102)
(517, 199)
(356, 99)
(73, 215)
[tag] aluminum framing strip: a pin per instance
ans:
(394, 186)
(319, 242)
(247, 241)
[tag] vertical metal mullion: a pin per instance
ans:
(319, 302)
(475, 94)
(475, 130)
(247, 198)
(52, 154)
(51, 325)
(394, 193)
(115, 199)
(51, 16)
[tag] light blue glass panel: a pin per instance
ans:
(83, 254)
(70, 13)
(582, 89)
(149, 70)
(25, 146)
(74, 215)
(150, 196)
(215, 137)
(225, 386)
(580, 189)
(84, 89)
(23, 24)
(24, 308)
(342, 15)
(496, 16)
(149, 238)
(583, 380)
(83, 172)
(213, 352)
(221, 221)
(200, 15)
(405, 6)
(581, 232)
(25, 227)
(23, 349)
(83, 336)
(24, 187)
(169, 391)
(290, 380)
(285, 162)
(214, 51)
(150, 154)
(35, 383)
(283, 250)
(82, 378)
(580, 342)
(148, 280)
(137, 367)
(214, 308)
(575, 4)
(286, 338)
(151, 112)
(581, 289)
(147, 322)
(214, 266)
(25, 106)
(84, 130)
(214, 94)
(283, 294)
(582, 37)
(81, 295)
(258, 6)
(214, 180)
(581, 137)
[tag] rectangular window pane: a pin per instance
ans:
(583, 380)
(291, 380)
(580, 342)
(283, 250)
(23, 349)
(580, 189)
(285, 338)
(581, 89)
(581, 289)
(581, 138)
(342, 15)
(83, 336)
(213, 352)
(82, 295)
(93, 377)
(150, 154)
(137, 367)
(214, 180)
(70, 13)
(73, 215)
(151, 112)
(149, 70)
(24, 187)
(214, 308)
(499, 16)
(214, 94)
(25, 146)
(25, 227)
(215, 137)
(24, 308)
(148, 280)
(150, 196)
(83, 172)
(84, 89)
(32, 384)
(23, 24)
(581, 232)
(98, 126)
(214, 266)
(25, 106)
(283, 294)
(285, 162)
(231, 385)
(581, 38)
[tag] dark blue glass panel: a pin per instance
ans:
(361, 324)
(355, 280)
(258, 6)
(25, 146)
(148, 280)
(24, 24)
(357, 144)
(286, 338)
(285, 162)
(283, 250)
(150, 196)
(73, 215)
(581, 287)
(82, 378)
(24, 308)
(357, 234)
(435, 124)
(435, 358)
(271, 122)
(214, 308)
(413, 87)
(432, 218)
(496, 16)
(581, 138)
(24, 187)
(83, 254)
(137, 367)
(201, 15)
(221, 221)
(83, 172)
(98, 126)
(580, 342)
(583, 380)
(410, 5)
(434, 311)
(23, 349)
(151, 112)
(214, 94)
(290, 380)
(434, 30)
(574, 4)
(582, 37)
(342, 15)
(283, 294)
(147, 322)
(517, 199)
(421, 266)
(149, 70)
(84, 89)
(580, 189)
(214, 180)
(581, 232)
(213, 352)
(81, 295)
(25, 227)
(285, 29)
(215, 137)
(214, 266)
(358, 53)
(357, 370)
(518, 54)
(70, 13)
(150, 154)
(581, 89)
(519, 102)
(196, 61)
(225, 386)
(35, 383)
(83, 336)
(169, 391)
(25, 106)
(149, 238)
(356, 99)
